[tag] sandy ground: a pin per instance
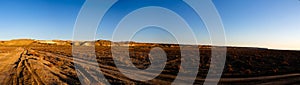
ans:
(50, 67)
(7, 64)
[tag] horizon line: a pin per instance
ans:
(227, 45)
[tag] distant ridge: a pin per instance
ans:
(18, 42)
(25, 42)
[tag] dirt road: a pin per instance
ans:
(8, 66)
(21, 67)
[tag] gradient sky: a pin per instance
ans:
(259, 23)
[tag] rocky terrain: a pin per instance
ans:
(24, 62)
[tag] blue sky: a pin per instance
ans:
(38, 19)
(259, 23)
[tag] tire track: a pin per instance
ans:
(114, 73)
(108, 71)
(9, 66)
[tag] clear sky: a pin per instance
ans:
(259, 23)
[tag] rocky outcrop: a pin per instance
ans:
(55, 42)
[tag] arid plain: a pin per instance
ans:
(51, 62)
